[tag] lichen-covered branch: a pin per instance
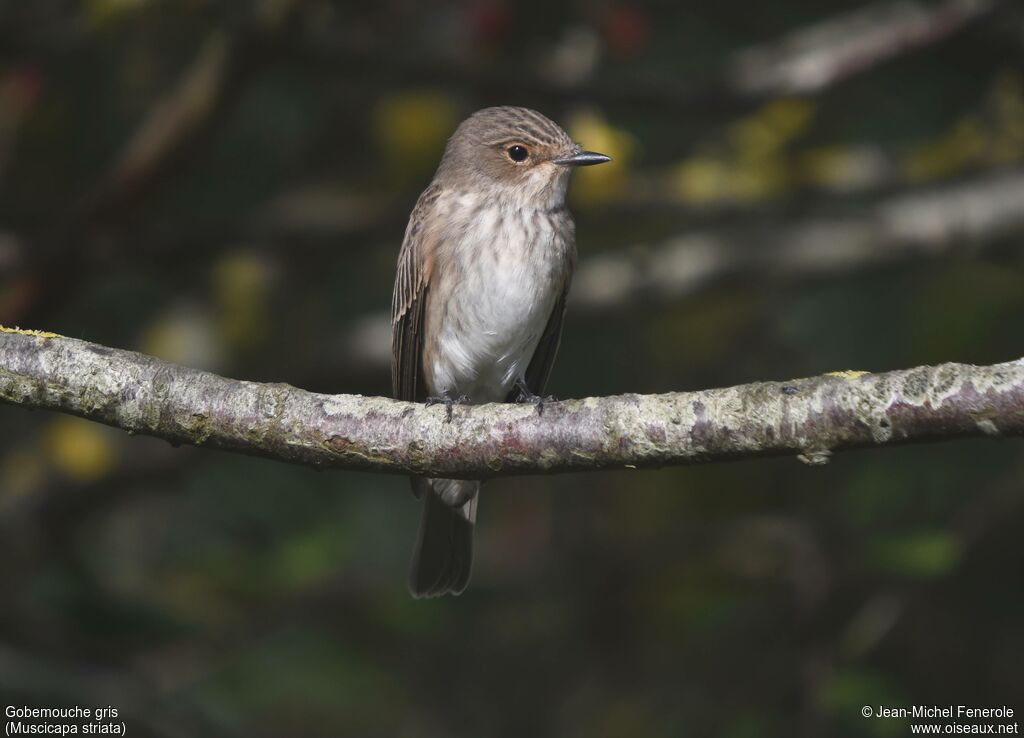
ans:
(809, 417)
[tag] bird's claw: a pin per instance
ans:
(526, 396)
(446, 400)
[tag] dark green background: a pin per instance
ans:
(205, 594)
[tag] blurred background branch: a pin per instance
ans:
(50, 267)
(808, 60)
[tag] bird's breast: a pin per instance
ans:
(504, 271)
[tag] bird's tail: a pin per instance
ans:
(443, 556)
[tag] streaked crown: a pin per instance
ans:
(514, 153)
(495, 126)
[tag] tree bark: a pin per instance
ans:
(811, 417)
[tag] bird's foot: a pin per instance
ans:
(446, 399)
(526, 396)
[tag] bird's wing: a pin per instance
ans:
(539, 370)
(408, 303)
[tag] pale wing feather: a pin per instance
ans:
(408, 303)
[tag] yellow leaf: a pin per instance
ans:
(241, 282)
(759, 179)
(771, 127)
(411, 129)
(184, 334)
(702, 179)
(706, 179)
(80, 449)
(606, 181)
(948, 154)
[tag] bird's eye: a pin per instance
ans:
(517, 153)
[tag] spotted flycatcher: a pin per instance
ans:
(479, 297)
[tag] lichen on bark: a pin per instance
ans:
(810, 418)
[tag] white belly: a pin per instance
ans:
(499, 307)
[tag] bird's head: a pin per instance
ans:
(515, 154)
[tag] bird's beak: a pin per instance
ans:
(580, 158)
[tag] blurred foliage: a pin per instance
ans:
(79, 449)
(601, 184)
(225, 185)
(411, 128)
